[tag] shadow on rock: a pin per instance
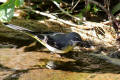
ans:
(16, 73)
(83, 64)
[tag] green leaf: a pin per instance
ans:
(19, 3)
(7, 11)
(80, 15)
(95, 9)
(116, 8)
(88, 7)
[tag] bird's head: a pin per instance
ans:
(75, 38)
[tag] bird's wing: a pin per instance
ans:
(58, 40)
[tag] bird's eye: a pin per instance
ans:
(77, 38)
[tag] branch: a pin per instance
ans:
(52, 17)
(87, 24)
(76, 18)
(75, 5)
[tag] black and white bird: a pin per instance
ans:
(56, 42)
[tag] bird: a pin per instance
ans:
(56, 42)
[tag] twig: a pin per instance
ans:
(111, 17)
(52, 17)
(87, 24)
(75, 5)
(72, 2)
(76, 18)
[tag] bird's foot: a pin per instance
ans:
(51, 65)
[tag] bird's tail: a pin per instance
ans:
(26, 31)
(21, 29)
(18, 28)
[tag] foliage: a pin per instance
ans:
(116, 8)
(69, 7)
(95, 9)
(18, 3)
(7, 9)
